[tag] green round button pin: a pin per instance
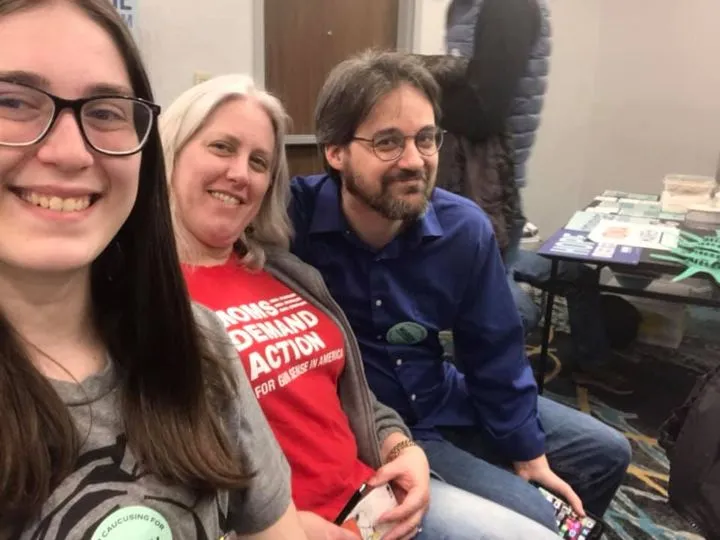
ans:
(406, 333)
(133, 522)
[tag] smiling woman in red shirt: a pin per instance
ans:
(229, 185)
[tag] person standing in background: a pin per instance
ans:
(520, 87)
(508, 43)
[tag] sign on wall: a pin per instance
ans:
(128, 11)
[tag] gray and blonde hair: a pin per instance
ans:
(187, 114)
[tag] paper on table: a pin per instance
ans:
(584, 221)
(605, 207)
(627, 195)
(635, 234)
(640, 202)
(640, 208)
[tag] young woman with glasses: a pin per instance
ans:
(123, 413)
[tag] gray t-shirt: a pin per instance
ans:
(106, 497)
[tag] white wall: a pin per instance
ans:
(634, 94)
(657, 107)
(558, 164)
(429, 27)
(180, 37)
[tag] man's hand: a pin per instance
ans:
(409, 475)
(317, 528)
(538, 470)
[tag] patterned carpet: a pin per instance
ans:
(662, 378)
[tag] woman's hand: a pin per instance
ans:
(318, 528)
(409, 475)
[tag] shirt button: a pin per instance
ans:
(379, 337)
(378, 303)
(413, 397)
(398, 362)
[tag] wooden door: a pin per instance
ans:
(304, 40)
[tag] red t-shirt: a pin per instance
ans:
(293, 355)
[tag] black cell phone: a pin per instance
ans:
(352, 502)
(572, 526)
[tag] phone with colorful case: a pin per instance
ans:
(572, 526)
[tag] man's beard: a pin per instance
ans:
(384, 203)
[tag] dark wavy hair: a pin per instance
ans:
(172, 387)
(354, 87)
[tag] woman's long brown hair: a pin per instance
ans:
(173, 387)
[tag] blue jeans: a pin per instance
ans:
(455, 514)
(587, 329)
(529, 311)
(583, 451)
(514, 236)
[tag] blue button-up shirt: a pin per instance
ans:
(442, 273)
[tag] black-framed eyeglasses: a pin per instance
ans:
(111, 125)
(389, 145)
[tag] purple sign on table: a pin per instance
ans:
(576, 245)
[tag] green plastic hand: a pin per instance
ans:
(700, 254)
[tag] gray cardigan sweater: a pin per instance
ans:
(370, 421)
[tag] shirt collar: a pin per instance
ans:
(328, 215)
(428, 225)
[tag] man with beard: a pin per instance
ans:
(406, 261)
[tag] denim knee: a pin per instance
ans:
(456, 514)
(526, 499)
(619, 450)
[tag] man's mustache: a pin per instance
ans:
(405, 175)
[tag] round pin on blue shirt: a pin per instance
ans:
(406, 333)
